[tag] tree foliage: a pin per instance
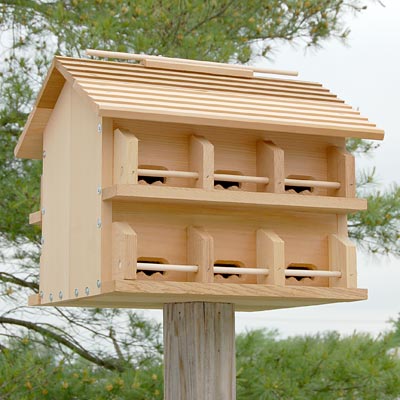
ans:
(32, 31)
(268, 368)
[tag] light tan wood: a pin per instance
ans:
(343, 258)
(231, 120)
(199, 351)
(146, 58)
(124, 251)
(107, 163)
(224, 198)
(246, 297)
(113, 87)
(55, 196)
(34, 300)
(184, 66)
(107, 73)
(35, 218)
(271, 255)
(341, 167)
(126, 147)
(201, 160)
(200, 252)
(209, 82)
(84, 200)
(270, 163)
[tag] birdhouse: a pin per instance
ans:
(175, 180)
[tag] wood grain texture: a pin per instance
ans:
(202, 161)
(128, 91)
(271, 164)
(245, 297)
(126, 147)
(184, 66)
(271, 255)
(343, 258)
(199, 351)
(200, 252)
(124, 251)
(231, 199)
(341, 168)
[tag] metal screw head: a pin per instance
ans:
(42, 240)
(44, 154)
(99, 128)
(98, 283)
(76, 291)
(41, 294)
(51, 296)
(87, 291)
(99, 190)
(43, 211)
(99, 222)
(60, 294)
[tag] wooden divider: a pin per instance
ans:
(126, 147)
(201, 160)
(124, 251)
(270, 254)
(270, 163)
(200, 252)
(342, 257)
(341, 168)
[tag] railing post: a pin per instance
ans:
(202, 161)
(270, 254)
(270, 164)
(126, 147)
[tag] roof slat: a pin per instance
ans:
(167, 101)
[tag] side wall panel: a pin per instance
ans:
(54, 262)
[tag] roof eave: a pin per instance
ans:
(30, 143)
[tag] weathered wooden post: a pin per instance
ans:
(197, 187)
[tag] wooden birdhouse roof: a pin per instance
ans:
(195, 94)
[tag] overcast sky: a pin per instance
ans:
(366, 74)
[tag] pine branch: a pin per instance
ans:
(112, 365)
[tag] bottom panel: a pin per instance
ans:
(246, 297)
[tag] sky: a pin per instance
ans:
(365, 72)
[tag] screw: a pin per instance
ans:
(41, 294)
(51, 296)
(98, 283)
(60, 294)
(99, 128)
(76, 291)
(42, 240)
(43, 211)
(99, 190)
(44, 153)
(87, 291)
(99, 222)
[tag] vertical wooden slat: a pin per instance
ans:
(270, 254)
(199, 351)
(202, 161)
(341, 168)
(343, 258)
(270, 163)
(200, 251)
(126, 147)
(124, 251)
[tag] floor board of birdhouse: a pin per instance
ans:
(246, 297)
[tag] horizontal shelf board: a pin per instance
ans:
(233, 199)
(246, 297)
